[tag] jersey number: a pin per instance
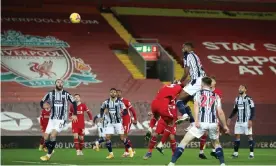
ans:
(204, 98)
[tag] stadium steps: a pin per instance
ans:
(126, 36)
(118, 27)
(129, 65)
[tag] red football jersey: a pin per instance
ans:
(218, 92)
(80, 114)
(171, 90)
(44, 117)
(129, 109)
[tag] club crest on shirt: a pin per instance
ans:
(36, 61)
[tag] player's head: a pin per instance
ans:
(113, 92)
(242, 89)
(59, 84)
(77, 97)
(206, 82)
(187, 47)
(46, 106)
(119, 93)
(214, 82)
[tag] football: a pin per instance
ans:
(75, 18)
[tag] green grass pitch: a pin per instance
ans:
(190, 157)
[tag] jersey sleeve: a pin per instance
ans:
(86, 109)
(122, 105)
(187, 60)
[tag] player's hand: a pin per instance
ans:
(197, 124)
(228, 122)
(74, 118)
(226, 130)
(134, 122)
(150, 113)
(249, 123)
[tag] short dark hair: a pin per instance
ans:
(111, 89)
(189, 44)
(207, 81)
(213, 77)
(58, 80)
(119, 90)
(77, 94)
(244, 86)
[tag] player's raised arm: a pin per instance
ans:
(45, 98)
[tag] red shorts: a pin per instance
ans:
(43, 129)
(161, 126)
(78, 130)
(161, 107)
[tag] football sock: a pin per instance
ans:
(126, 143)
(181, 107)
(109, 146)
(236, 145)
(76, 142)
(52, 146)
(173, 145)
(42, 141)
(152, 143)
(81, 144)
(251, 145)
(202, 142)
(101, 140)
(178, 152)
(219, 153)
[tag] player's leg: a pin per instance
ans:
(109, 131)
(76, 141)
(172, 139)
(180, 149)
(214, 135)
(81, 138)
(151, 145)
(164, 139)
(47, 143)
(42, 142)
(251, 143)
(219, 151)
(101, 139)
(120, 130)
(202, 144)
(126, 126)
(238, 131)
(182, 100)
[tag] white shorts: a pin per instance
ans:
(212, 129)
(101, 132)
(116, 128)
(191, 88)
(55, 124)
(242, 128)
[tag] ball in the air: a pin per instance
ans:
(75, 18)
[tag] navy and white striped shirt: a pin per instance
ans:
(208, 103)
(99, 123)
(245, 108)
(114, 107)
(192, 61)
(58, 101)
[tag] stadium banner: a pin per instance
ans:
(13, 142)
(22, 119)
(195, 13)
